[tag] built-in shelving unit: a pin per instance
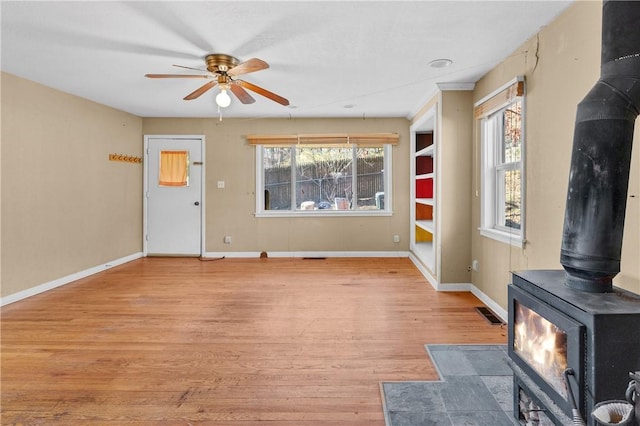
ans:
(423, 196)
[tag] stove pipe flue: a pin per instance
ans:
(601, 157)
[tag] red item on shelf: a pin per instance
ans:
(424, 188)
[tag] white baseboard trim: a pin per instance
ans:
(491, 304)
(423, 269)
(248, 254)
(66, 280)
(455, 287)
(497, 309)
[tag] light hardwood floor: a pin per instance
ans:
(228, 342)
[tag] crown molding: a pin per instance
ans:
(456, 86)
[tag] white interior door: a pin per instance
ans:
(174, 196)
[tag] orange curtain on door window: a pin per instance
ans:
(173, 168)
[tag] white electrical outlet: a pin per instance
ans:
(227, 239)
(396, 238)
(220, 184)
(475, 265)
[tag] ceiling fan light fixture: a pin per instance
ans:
(223, 99)
(223, 70)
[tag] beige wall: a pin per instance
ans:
(230, 211)
(560, 65)
(454, 201)
(65, 207)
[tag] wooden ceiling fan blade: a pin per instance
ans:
(176, 76)
(264, 92)
(242, 94)
(200, 90)
(250, 65)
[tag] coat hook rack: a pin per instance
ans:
(125, 158)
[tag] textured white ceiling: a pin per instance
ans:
(330, 59)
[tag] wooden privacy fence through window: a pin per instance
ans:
(370, 181)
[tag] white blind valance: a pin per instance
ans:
(366, 139)
(499, 98)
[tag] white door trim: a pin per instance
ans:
(145, 167)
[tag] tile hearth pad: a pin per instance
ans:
(475, 388)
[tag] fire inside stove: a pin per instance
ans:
(542, 345)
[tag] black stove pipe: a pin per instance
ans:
(601, 157)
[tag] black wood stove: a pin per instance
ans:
(553, 327)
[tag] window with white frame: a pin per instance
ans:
(323, 178)
(502, 213)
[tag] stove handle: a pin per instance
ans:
(576, 417)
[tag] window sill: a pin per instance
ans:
(323, 213)
(515, 240)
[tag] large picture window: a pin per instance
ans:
(503, 167)
(323, 179)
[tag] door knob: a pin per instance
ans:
(197, 203)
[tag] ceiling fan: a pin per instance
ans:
(223, 71)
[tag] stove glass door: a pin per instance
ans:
(541, 344)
